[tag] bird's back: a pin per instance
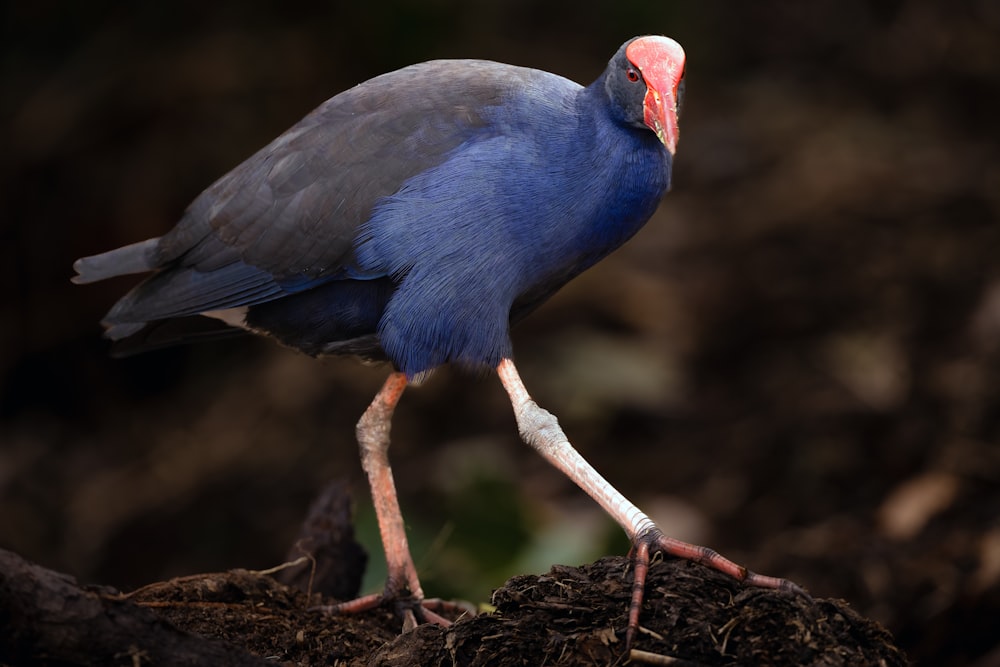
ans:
(403, 216)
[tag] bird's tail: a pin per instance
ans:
(132, 338)
(136, 258)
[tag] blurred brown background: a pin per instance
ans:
(797, 361)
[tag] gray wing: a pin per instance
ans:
(286, 218)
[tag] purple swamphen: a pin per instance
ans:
(412, 219)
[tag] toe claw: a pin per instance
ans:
(409, 620)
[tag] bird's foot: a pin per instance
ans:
(411, 610)
(653, 541)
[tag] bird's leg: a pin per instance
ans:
(373, 438)
(540, 429)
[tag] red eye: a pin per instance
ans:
(632, 75)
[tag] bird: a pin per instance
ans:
(413, 219)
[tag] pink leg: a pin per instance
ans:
(373, 437)
(540, 429)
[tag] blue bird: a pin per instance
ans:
(412, 219)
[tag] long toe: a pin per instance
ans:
(355, 606)
(410, 610)
(653, 541)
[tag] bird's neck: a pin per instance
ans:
(630, 162)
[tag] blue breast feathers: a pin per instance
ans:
(504, 215)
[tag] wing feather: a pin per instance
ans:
(288, 217)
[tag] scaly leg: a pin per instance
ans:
(373, 438)
(540, 429)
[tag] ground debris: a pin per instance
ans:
(569, 616)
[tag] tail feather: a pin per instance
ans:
(136, 258)
(119, 331)
(132, 339)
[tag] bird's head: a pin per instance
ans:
(645, 79)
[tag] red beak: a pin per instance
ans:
(661, 61)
